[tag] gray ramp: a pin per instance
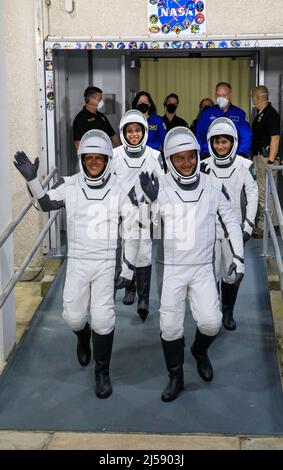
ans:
(44, 388)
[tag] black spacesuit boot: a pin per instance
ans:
(199, 351)
(130, 293)
(174, 357)
(143, 278)
(102, 349)
(83, 346)
(229, 295)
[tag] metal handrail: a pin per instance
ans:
(9, 230)
(270, 188)
(11, 284)
(11, 227)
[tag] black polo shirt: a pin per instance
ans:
(265, 125)
(85, 121)
(176, 121)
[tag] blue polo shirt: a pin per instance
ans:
(156, 132)
(239, 118)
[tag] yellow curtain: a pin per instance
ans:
(193, 79)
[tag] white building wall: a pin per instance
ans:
(129, 18)
(7, 312)
(20, 70)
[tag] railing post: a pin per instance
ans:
(271, 190)
(58, 235)
(8, 311)
(266, 209)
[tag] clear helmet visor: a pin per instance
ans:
(222, 128)
(95, 142)
(181, 139)
(133, 117)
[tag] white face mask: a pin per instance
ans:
(222, 102)
(100, 104)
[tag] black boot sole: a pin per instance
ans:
(84, 361)
(229, 327)
(84, 357)
(128, 302)
(103, 390)
(169, 398)
(143, 314)
(104, 395)
(206, 378)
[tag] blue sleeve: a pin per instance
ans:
(201, 132)
(162, 132)
(245, 137)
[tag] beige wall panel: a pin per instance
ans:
(23, 113)
(99, 18)
(129, 18)
(244, 16)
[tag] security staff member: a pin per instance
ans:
(265, 144)
(91, 118)
(224, 108)
(170, 117)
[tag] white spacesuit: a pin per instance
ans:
(94, 206)
(238, 176)
(187, 203)
(129, 160)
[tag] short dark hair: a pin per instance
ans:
(152, 109)
(91, 90)
(224, 84)
(226, 136)
(171, 95)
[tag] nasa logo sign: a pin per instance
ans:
(176, 16)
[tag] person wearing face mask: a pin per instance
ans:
(156, 127)
(239, 176)
(224, 108)
(185, 203)
(170, 117)
(91, 118)
(204, 104)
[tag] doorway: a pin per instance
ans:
(121, 74)
(193, 79)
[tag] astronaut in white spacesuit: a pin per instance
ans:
(129, 160)
(186, 206)
(239, 177)
(94, 203)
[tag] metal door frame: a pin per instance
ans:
(210, 46)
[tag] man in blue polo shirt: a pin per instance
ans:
(224, 108)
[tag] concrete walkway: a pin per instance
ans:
(15, 440)
(28, 298)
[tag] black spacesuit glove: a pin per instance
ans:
(246, 237)
(149, 186)
(122, 282)
(239, 276)
(25, 167)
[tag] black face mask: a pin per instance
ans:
(171, 108)
(205, 107)
(143, 107)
